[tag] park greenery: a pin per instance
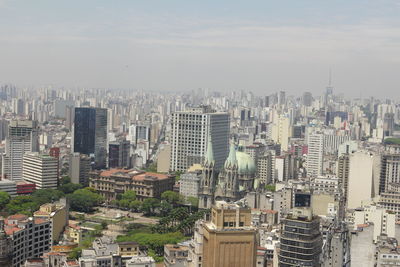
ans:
(177, 214)
(81, 199)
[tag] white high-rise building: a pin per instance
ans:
(363, 178)
(22, 138)
(42, 170)
(190, 131)
(315, 157)
(281, 131)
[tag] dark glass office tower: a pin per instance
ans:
(118, 156)
(90, 134)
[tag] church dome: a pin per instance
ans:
(246, 164)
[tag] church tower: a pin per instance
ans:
(207, 182)
(228, 180)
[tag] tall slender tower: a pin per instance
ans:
(207, 182)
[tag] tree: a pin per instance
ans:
(129, 195)
(84, 200)
(153, 241)
(69, 188)
(149, 205)
(165, 208)
(65, 180)
(123, 203)
(22, 204)
(4, 199)
(193, 201)
(42, 196)
(171, 197)
(135, 205)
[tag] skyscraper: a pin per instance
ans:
(315, 154)
(22, 138)
(90, 134)
(190, 132)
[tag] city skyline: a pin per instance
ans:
(180, 46)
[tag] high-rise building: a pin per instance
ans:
(229, 240)
(22, 138)
(301, 240)
(118, 155)
(69, 117)
(79, 168)
(307, 99)
(282, 131)
(40, 169)
(139, 132)
(388, 124)
(90, 134)
(190, 131)
(266, 167)
(343, 167)
(390, 171)
(362, 181)
(3, 129)
(17, 106)
(315, 154)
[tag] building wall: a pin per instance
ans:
(361, 179)
(190, 131)
(229, 249)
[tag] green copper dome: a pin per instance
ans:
(246, 163)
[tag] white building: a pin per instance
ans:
(141, 261)
(383, 221)
(190, 182)
(190, 131)
(315, 156)
(282, 131)
(22, 138)
(41, 170)
(363, 180)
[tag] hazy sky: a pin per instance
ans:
(262, 46)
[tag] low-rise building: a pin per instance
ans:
(73, 233)
(9, 187)
(112, 182)
(175, 255)
(25, 188)
(141, 261)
